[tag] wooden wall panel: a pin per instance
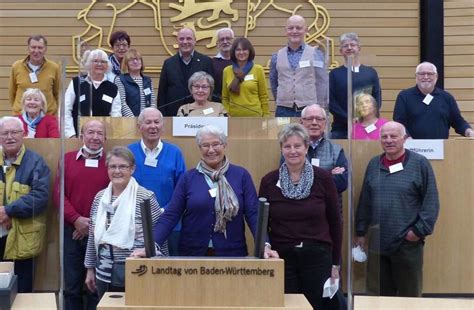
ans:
(388, 32)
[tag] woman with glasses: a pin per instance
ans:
(91, 95)
(368, 121)
(120, 43)
(115, 229)
(305, 225)
(244, 85)
(36, 123)
(213, 201)
(135, 88)
(201, 86)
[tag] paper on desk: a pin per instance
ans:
(330, 290)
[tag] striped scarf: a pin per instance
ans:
(226, 203)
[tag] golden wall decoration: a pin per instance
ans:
(204, 17)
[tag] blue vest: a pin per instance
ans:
(132, 92)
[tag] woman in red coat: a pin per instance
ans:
(36, 123)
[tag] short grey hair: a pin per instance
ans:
(141, 116)
(34, 91)
(218, 32)
(374, 104)
(101, 55)
(200, 75)
(349, 36)
(121, 152)
(426, 63)
(291, 130)
(401, 128)
(306, 108)
(212, 131)
(14, 119)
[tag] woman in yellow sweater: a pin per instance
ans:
(244, 85)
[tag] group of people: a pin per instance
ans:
(231, 84)
(203, 211)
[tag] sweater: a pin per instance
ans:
(49, 81)
(315, 218)
(219, 65)
(253, 97)
(359, 132)
(193, 202)
(81, 184)
(428, 121)
(394, 203)
(46, 128)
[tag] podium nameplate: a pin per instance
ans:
(219, 282)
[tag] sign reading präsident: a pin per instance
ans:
(431, 149)
(188, 126)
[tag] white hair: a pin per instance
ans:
(306, 108)
(14, 119)
(426, 63)
(223, 30)
(101, 55)
(212, 131)
(349, 36)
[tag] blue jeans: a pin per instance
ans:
(286, 112)
(75, 273)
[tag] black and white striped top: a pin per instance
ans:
(126, 111)
(102, 261)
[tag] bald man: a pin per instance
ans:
(298, 72)
(398, 205)
(173, 87)
(79, 192)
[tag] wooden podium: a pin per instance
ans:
(204, 283)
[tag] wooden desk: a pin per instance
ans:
(37, 301)
(403, 303)
(117, 302)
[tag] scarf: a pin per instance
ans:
(239, 76)
(32, 123)
(226, 203)
(115, 64)
(303, 188)
(121, 232)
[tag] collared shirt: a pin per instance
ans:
(152, 153)
(219, 55)
(314, 144)
(186, 61)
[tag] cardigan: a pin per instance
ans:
(46, 128)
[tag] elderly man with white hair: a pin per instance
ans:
(225, 38)
(428, 111)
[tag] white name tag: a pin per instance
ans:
(107, 98)
(213, 192)
(427, 99)
(82, 98)
(208, 111)
(304, 63)
(147, 91)
(151, 162)
(33, 77)
(92, 163)
(395, 168)
(355, 69)
(370, 128)
(315, 162)
(249, 77)
(278, 184)
(318, 64)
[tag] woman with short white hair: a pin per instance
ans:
(92, 95)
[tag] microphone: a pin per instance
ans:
(174, 102)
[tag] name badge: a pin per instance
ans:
(355, 69)
(395, 168)
(92, 163)
(315, 162)
(208, 111)
(151, 162)
(33, 77)
(107, 98)
(5, 169)
(213, 192)
(304, 63)
(370, 128)
(318, 63)
(82, 98)
(278, 184)
(249, 77)
(147, 91)
(427, 99)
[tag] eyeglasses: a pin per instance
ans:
(124, 45)
(13, 133)
(228, 39)
(426, 73)
(203, 87)
(121, 168)
(208, 146)
(315, 118)
(135, 59)
(99, 62)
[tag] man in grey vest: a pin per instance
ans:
(298, 72)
